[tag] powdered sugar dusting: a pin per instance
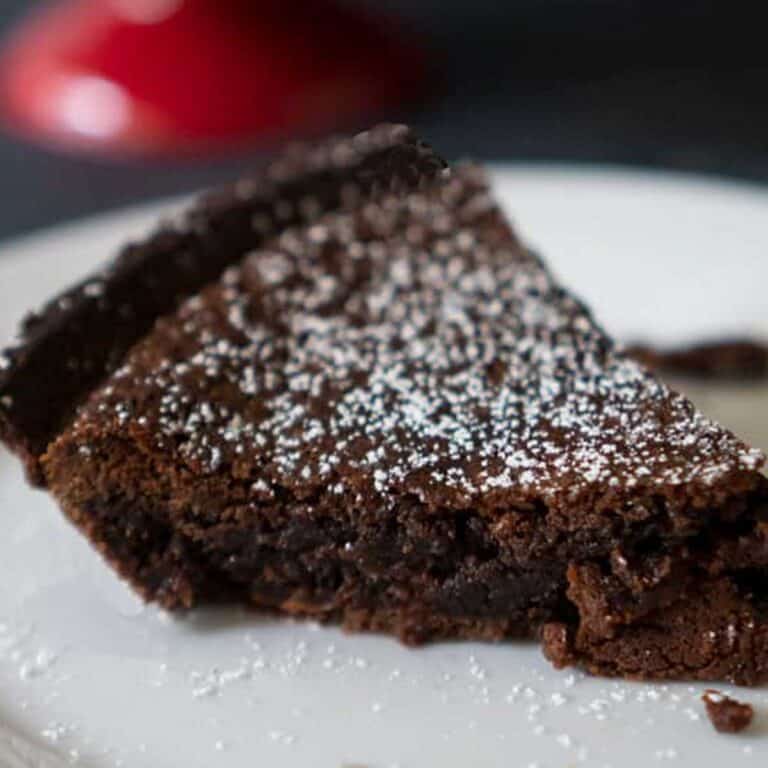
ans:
(416, 344)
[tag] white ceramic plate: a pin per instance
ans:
(90, 676)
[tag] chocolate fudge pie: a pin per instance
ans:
(346, 390)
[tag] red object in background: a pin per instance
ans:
(172, 76)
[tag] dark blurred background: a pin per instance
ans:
(676, 85)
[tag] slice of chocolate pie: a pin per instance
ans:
(386, 412)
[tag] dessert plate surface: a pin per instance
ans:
(90, 676)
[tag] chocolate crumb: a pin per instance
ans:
(722, 360)
(726, 714)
